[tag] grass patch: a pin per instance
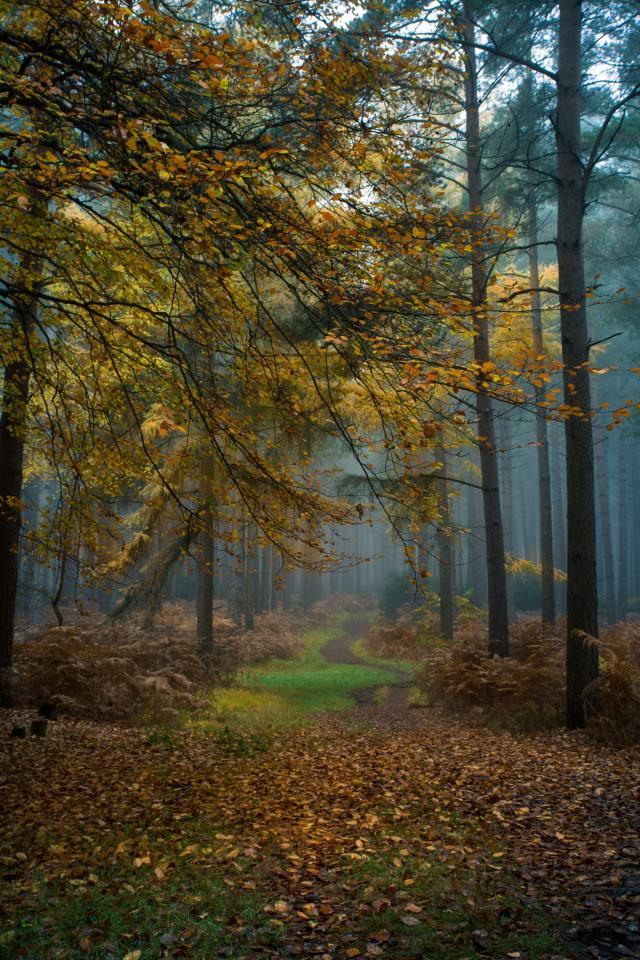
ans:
(284, 693)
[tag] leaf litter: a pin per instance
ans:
(401, 835)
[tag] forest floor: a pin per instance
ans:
(374, 831)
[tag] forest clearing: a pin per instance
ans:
(319, 500)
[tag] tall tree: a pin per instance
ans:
(623, 526)
(547, 588)
(13, 428)
(582, 600)
(604, 517)
(445, 551)
(496, 575)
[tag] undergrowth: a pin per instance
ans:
(526, 691)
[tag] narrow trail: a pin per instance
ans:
(339, 650)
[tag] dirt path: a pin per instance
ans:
(338, 650)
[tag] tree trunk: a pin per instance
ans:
(251, 572)
(605, 530)
(476, 565)
(623, 521)
(547, 586)
(205, 557)
(582, 602)
(265, 577)
(13, 424)
(507, 501)
(282, 596)
(237, 586)
(559, 517)
(497, 586)
(445, 553)
(28, 572)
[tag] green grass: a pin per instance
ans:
(284, 693)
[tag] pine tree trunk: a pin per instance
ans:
(28, 566)
(582, 602)
(605, 529)
(282, 596)
(250, 577)
(477, 568)
(507, 502)
(559, 517)
(265, 577)
(623, 521)
(238, 572)
(497, 586)
(445, 553)
(547, 586)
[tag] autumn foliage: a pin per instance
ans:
(129, 672)
(526, 691)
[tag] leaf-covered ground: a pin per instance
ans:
(380, 832)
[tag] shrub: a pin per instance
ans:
(402, 640)
(124, 671)
(612, 702)
(524, 691)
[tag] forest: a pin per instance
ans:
(319, 501)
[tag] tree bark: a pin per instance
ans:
(250, 577)
(496, 577)
(582, 602)
(445, 553)
(559, 517)
(507, 501)
(13, 424)
(237, 585)
(605, 530)
(547, 585)
(623, 520)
